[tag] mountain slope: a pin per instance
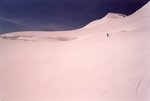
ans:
(79, 65)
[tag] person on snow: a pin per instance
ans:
(107, 35)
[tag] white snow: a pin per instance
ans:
(79, 65)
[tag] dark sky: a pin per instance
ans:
(52, 15)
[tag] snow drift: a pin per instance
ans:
(79, 65)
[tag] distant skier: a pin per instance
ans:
(107, 35)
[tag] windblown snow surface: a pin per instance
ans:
(79, 65)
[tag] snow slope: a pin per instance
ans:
(79, 65)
